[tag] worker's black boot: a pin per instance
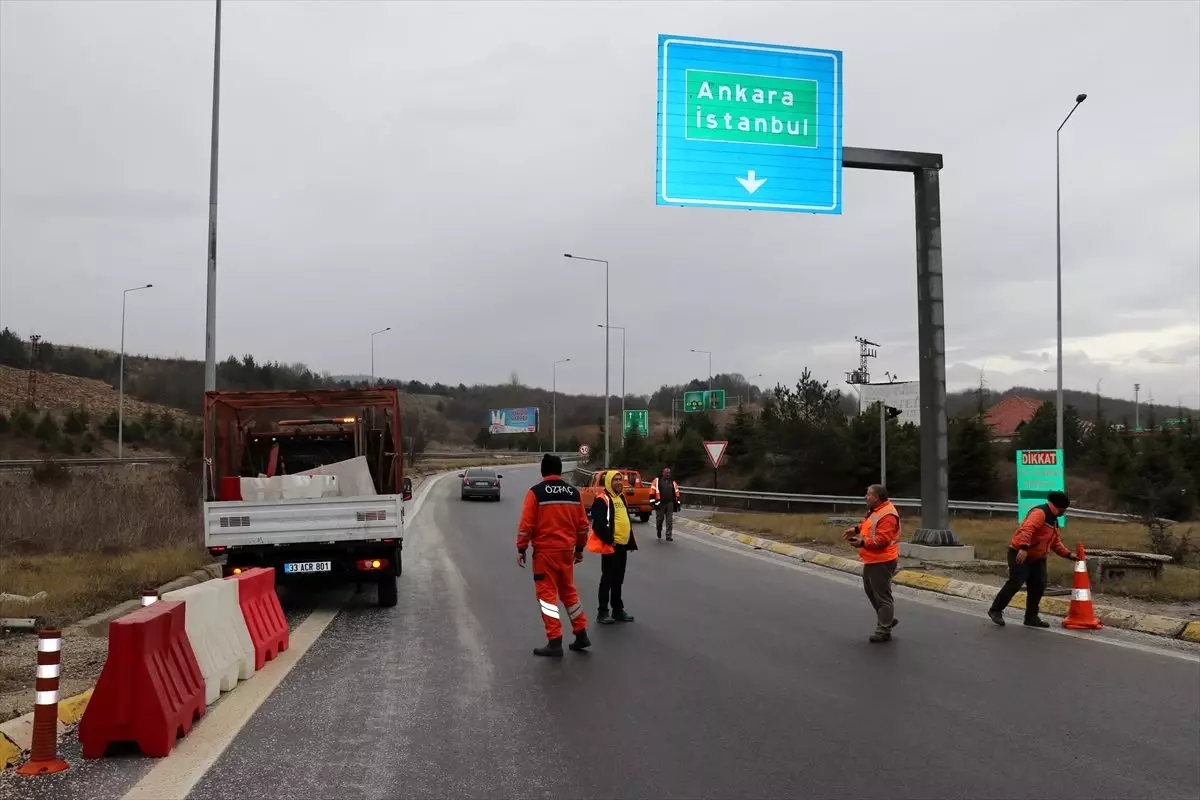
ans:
(553, 649)
(621, 616)
(996, 617)
(1036, 622)
(604, 618)
(582, 642)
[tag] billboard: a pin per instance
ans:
(513, 420)
(905, 396)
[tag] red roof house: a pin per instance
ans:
(1008, 416)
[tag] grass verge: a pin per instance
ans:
(90, 540)
(1179, 583)
(80, 584)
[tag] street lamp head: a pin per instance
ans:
(567, 255)
(1080, 98)
(149, 286)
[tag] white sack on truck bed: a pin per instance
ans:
(353, 476)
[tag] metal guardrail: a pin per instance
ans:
(71, 463)
(30, 463)
(743, 499)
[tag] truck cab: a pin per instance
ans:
(636, 494)
(309, 482)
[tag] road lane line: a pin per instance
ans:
(958, 605)
(174, 777)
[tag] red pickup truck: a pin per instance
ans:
(636, 494)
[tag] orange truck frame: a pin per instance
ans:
(637, 493)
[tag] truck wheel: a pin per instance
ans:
(644, 516)
(388, 591)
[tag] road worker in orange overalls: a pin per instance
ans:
(554, 522)
(1027, 552)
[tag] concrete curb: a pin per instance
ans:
(1153, 624)
(16, 735)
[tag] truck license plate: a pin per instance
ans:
(308, 566)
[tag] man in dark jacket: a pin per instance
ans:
(1027, 552)
(664, 496)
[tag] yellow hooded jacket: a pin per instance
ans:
(621, 525)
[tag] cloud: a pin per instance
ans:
(425, 165)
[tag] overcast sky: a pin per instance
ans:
(424, 166)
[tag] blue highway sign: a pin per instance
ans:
(750, 126)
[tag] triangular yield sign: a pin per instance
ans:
(715, 450)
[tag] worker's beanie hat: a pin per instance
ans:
(551, 465)
(1058, 500)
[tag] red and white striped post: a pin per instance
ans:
(149, 597)
(43, 755)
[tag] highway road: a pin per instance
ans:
(743, 676)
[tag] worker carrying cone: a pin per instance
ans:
(1081, 616)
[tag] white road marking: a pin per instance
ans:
(959, 605)
(174, 777)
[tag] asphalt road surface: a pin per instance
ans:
(743, 676)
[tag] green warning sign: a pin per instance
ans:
(1039, 472)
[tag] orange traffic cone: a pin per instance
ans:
(1081, 616)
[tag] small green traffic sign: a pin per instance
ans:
(637, 420)
(704, 401)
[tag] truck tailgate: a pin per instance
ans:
(317, 521)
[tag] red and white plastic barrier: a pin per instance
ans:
(262, 612)
(172, 657)
(150, 689)
(217, 634)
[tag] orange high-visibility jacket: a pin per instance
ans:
(552, 517)
(880, 533)
(1038, 534)
(656, 495)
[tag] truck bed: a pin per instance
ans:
(327, 520)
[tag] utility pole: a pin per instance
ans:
(1137, 425)
(862, 375)
(882, 443)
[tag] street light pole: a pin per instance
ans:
(121, 377)
(606, 351)
(373, 335)
(1058, 270)
(709, 354)
(1137, 419)
(210, 314)
(210, 332)
(554, 405)
(622, 330)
